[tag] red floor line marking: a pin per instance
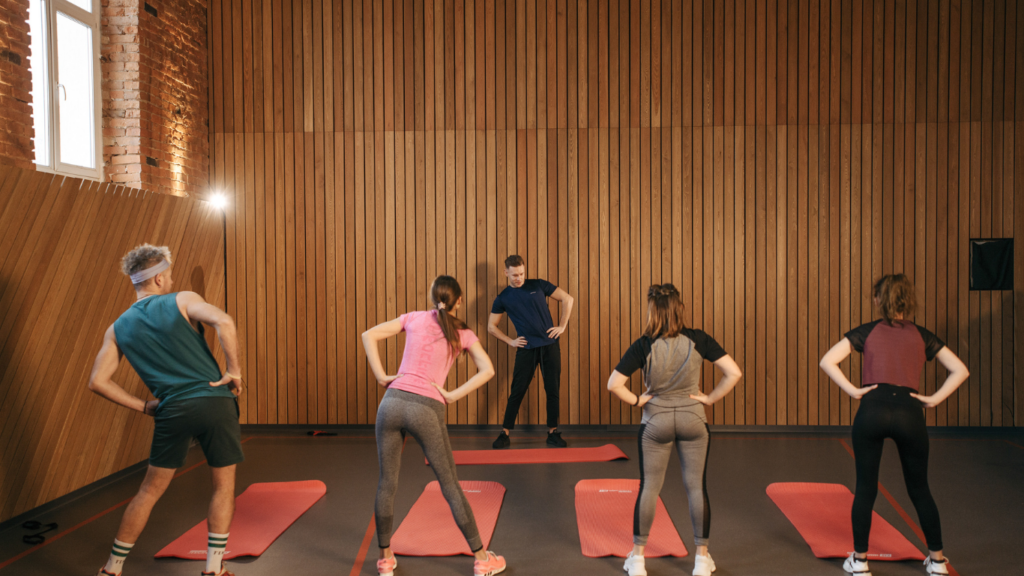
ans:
(1014, 444)
(49, 541)
(363, 549)
(903, 513)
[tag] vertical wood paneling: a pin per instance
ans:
(770, 158)
(61, 240)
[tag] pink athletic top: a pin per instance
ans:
(427, 357)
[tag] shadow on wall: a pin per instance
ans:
(486, 271)
(197, 284)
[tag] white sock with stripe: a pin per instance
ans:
(117, 555)
(216, 545)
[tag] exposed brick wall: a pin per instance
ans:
(15, 85)
(155, 95)
(119, 62)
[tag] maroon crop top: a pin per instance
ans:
(894, 354)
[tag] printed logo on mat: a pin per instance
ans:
(616, 491)
(203, 552)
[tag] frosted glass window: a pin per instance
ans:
(40, 80)
(83, 4)
(74, 92)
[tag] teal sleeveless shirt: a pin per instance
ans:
(172, 359)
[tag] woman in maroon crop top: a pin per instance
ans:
(895, 350)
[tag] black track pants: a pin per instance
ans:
(549, 358)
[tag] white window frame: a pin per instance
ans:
(52, 108)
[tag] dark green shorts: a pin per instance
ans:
(211, 420)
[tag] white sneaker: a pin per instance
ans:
(703, 565)
(936, 567)
(855, 566)
(634, 565)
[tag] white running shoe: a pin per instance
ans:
(634, 565)
(855, 566)
(937, 567)
(703, 565)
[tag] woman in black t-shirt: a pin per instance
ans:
(895, 351)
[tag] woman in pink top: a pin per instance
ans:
(415, 404)
(895, 350)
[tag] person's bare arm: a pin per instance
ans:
(565, 312)
(493, 330)
(731, 374)
(195, 309)
(830, 365)
(103, 370)
(957, 374)
(617, 385)
(485, 371)
(370, 339)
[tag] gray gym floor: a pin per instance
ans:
(977, 478)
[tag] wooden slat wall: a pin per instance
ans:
(769, 157)
(61, 242)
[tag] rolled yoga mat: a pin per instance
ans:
(604, 453)
(821, 514)
(430, 530)
(262, 513)
(604, 514)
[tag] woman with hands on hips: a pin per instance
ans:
(671, 357)
(895, 350)
(415, 403)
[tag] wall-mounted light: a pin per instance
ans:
(219, 201)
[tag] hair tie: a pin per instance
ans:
(440, 305)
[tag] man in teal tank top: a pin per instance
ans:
(162, 337)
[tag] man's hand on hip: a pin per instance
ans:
(555, 332)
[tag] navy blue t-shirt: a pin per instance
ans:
(527, 308)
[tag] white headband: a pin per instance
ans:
(143, 275)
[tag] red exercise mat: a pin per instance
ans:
(430, 530)
(604, 514)
(821, 514)
(262, 513)
(604, 453)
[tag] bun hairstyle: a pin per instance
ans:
(664, 311)
(896, 296)
(445, 292)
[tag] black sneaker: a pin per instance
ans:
(555, 439)
(502, 441)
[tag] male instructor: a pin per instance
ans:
(162, 337)
(526, 303)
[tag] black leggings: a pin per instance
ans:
(890, 412)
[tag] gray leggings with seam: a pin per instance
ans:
(403, 412)
(686, 428)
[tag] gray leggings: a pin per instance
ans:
(687, 429)
(423, 418)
